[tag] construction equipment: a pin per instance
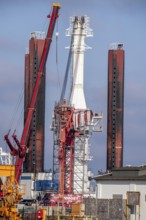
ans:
(64, 115)
(23, 149)
(72, 122)
(11, 193)
(67, 125)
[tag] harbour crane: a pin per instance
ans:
(23, 149)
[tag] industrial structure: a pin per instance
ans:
(71, 126)
(23, 145)
(34, 161)
(10, 191)
(79, 30)
(120, 194)
(73, 121)
(115, 109)
(65, 191)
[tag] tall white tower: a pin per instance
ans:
(78, 31)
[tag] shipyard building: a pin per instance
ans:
(121, 194)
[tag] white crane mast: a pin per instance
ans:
(78, 31)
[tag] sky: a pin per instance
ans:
(121, 21)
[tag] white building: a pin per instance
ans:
(122, 194)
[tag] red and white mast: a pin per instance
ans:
(79, 30)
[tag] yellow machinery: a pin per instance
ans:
(11, 193)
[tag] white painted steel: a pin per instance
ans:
(78, 31)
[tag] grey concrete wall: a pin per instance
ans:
(106, 209)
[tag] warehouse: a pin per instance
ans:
(126, 188)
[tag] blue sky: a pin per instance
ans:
(112, 21)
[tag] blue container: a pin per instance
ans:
(38, 186)
(44, 185)
(47, 185)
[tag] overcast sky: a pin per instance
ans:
(112, 21)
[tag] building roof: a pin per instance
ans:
(124, 173)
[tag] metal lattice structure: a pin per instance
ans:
(71, 149)
(63, 157)
(82, 121)
(79, 30)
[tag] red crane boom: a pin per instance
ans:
(66, 147)
(22, 148)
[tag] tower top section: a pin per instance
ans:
(116, 46)
(37, 35)
(79, 26)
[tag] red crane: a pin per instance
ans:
(20, 153)
(67, 124)
(64, 129)
(64, 114)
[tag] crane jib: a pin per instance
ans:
(23, 148)
(38, 80)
